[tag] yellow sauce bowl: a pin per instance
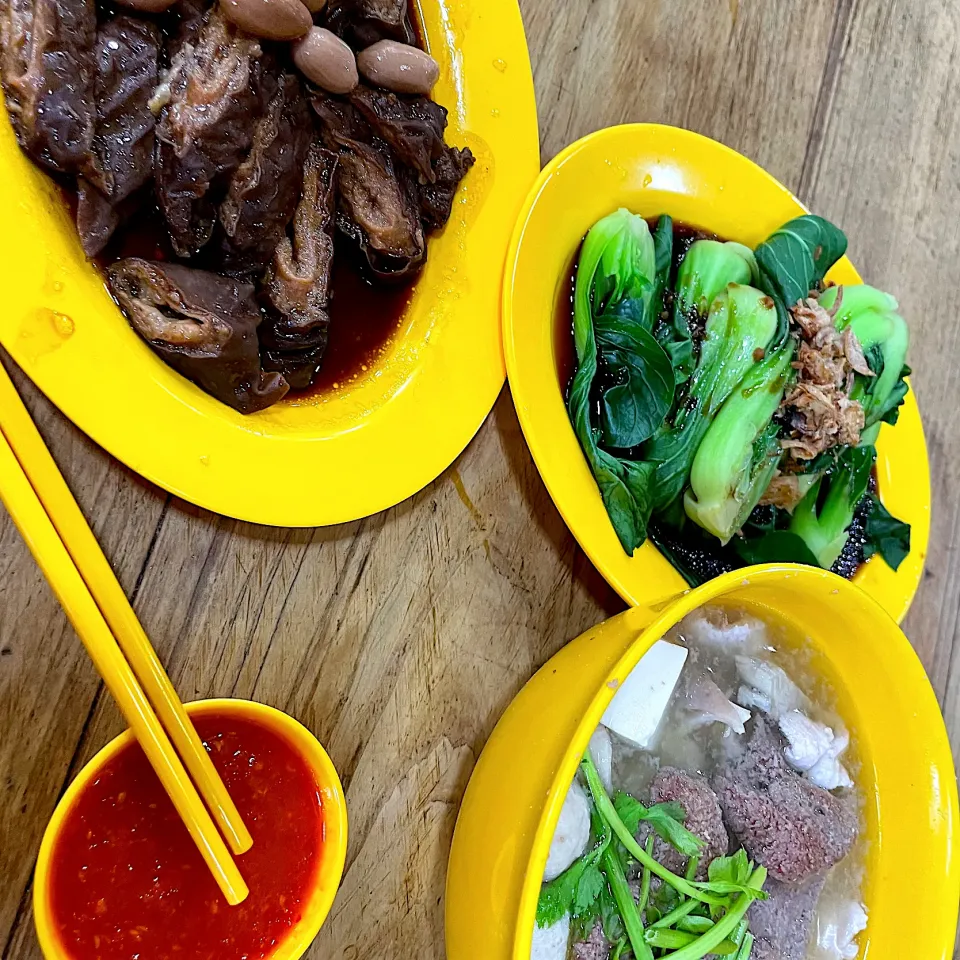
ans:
(510, 810)
(333, 855)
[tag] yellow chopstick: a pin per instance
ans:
(81, 544)
(41, 537)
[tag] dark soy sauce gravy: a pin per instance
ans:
(697, 556)
(363, 317)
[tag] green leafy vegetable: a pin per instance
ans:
(740, 326)
(635, 406)
(733, 869)
(674, 939)
(823, 516)
(794, 260)
(665, 818)
(705, 892)
(884, 337)
(632, 921)
(776, 546)
(615, 283)
(886, 535)
(740, 451)
(707, 267)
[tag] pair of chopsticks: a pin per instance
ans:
(46, 514)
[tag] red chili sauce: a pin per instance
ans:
(127, 881)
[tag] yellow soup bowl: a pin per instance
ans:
(513, 801)
(333, 855)
(652, 169)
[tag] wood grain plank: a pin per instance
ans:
(399, 639)
(888, 171)
(718, 68)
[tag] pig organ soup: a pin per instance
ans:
(742, 766)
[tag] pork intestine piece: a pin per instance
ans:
(206, 127)
(203, 325)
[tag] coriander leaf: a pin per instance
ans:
(886, 535)
(557, 897)
(588, 889)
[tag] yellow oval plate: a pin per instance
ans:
(326, 459)
(652, 169)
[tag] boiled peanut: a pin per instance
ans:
(270, 19)
(399, 67)
(148, 6)
(321, 56)
(315, 6)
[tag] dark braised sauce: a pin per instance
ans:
(697, 556)
(363, 317)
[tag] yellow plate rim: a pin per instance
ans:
(311, 462)
(902, 462)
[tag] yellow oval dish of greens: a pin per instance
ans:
(321, 459)
(650, 170)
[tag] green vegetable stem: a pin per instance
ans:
(741, 324)
(620, 365)
(884, 337)
(823, 517)
(740, 451)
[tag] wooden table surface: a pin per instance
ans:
(399, 639)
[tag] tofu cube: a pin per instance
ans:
(639, 705)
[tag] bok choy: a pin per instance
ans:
(730, 399)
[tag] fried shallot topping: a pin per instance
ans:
(818, 409)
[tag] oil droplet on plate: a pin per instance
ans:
(204, 461)
(647, 180)
(495, 112)
(44, 330)
(62, 324)
(500, 65)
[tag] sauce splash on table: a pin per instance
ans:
(127, 883)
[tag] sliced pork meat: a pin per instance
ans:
(206, 129)
(298, 282)
(47, 70)
(203, 325)
(703, 818)
(783, 923)
(265, 188)
(793, 827)
(377, 203)
(126, 58)
(364, 22)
